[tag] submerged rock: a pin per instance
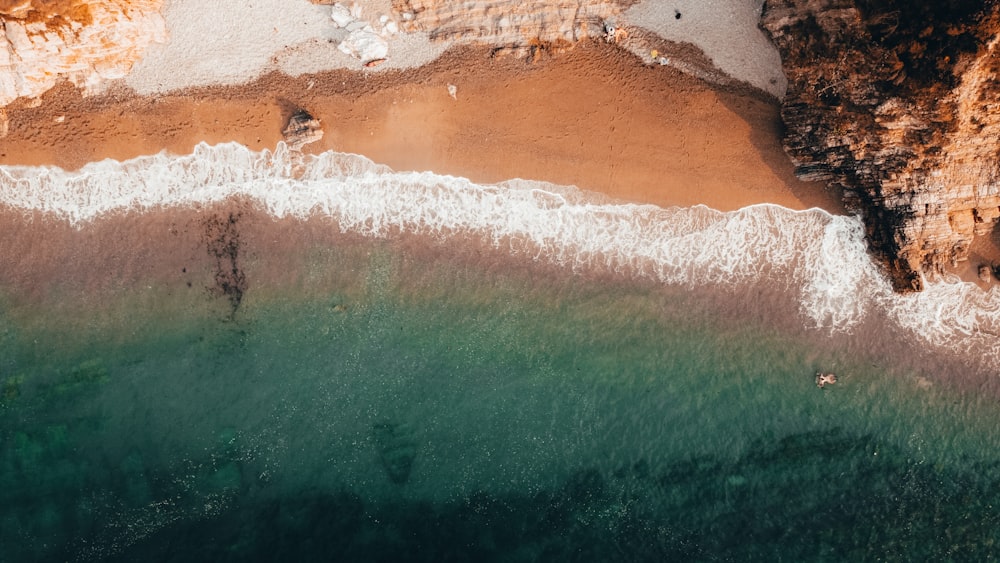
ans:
(396, 450)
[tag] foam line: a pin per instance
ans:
(818, 257)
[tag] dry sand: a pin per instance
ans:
(232, 41)
(594, 117)
(727, 31)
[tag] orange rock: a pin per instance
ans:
(907, 129)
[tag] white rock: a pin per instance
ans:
(341, 15)
(392, 28)
(9, 87)
(34, 57)
(233, 41)
(365, 45)
(357, 25)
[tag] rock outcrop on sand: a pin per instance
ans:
(363, 41)
(301, 130)
(896, 102)
(86, 42)
(535, 23)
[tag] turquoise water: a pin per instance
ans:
(351, 363)
(400, 405)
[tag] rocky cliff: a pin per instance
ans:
(535, 23)
(84, 41)
(896, 102)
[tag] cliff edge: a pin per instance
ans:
(896, 103)
(85, 42)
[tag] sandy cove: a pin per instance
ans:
(593, 116)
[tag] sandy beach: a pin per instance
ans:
(389, 348)
(593, 116)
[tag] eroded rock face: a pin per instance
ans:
(896, 102)
(511, 24)
(86, 42)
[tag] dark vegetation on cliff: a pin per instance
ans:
(879, 104)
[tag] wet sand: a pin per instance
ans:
(593, 116)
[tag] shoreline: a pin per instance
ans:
(164, 258)
(594, 117)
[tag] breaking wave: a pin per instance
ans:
(819, 257)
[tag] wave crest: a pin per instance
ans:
(819, 257)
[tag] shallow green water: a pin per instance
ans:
(389, 408)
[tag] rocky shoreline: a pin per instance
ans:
(895, 104)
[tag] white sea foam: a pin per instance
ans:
(819, 257)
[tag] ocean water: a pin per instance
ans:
(453, 371)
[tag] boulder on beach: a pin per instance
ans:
(301, 130)
(363, 41)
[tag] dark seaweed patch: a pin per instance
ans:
(222, 240)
